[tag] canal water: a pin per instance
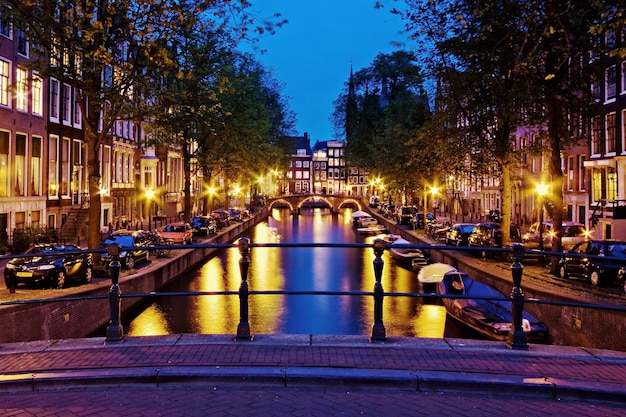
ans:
(296, 269)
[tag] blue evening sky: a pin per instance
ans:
(311, 55)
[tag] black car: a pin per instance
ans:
(489, 235)
(459, 234)
(203, 225)
(49, 264)
(420, 222)
(598, 261)
(138, 239)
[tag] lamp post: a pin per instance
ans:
(149, 197)
(542, 190)
(433, 192)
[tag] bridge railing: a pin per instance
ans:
(517, 337)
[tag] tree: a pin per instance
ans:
(382, 108)
(510, 64)
(107, 48)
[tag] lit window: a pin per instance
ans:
(5, 71)
(37, 95)
(21, 90)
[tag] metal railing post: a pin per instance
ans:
(378, 330)
(243, 328)
(115, 331)
(517, 336)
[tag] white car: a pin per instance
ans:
(572, 233)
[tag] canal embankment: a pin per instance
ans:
(76, 312)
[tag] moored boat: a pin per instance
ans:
(375, 229)
(405, 255)
(485, 314)
(430, 276)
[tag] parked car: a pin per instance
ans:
(177, 233)
(203, 225)
(138, 239)
(598, 261)
(405, 215)
(390, 210)
(238, 215)
(222, 218)
(459, 234)
(421, 222)
(49, 264)
(572, 233)
(373, 202)
(489, 235)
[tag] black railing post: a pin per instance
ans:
(378, 330)
(115, 331)
(243, 329)
(517, 336)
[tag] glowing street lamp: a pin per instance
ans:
(149, 197)
(542, 191)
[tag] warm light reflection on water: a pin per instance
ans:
(296, 269)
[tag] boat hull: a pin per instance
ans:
(489, 313)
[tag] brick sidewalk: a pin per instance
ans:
(294, 367)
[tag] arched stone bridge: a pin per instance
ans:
(296, 201)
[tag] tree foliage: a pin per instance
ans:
(109, 48)
(382, 109)
(502, 65)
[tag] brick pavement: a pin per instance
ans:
(286, 375)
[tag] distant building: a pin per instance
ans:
(299, 172)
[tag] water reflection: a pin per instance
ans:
(295, 269)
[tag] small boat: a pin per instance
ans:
(375, 229)
(491, 318)
(405, 255)
(431, 275)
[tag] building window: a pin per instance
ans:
(37, 95)
(582, 183)
(53, 176)
(624, 77)
(22, 43)
(5, 82)
(65, 167)
(596, 185)
(20, 164)
(54, 100)
(298, 164)
(570, 173)
(67, 103)
(78, 118)
(596, 135)
(610, 76)
(5, 28)
(21, 90)
(4, 163)
(35, 167)
(611, 133)
(611, 186)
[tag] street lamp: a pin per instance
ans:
(433, 192)
(211, 192)
(149, 197)
(542, 190)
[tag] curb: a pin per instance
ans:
(294, 377)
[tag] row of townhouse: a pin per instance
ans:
(322, 169)
(43, 178)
